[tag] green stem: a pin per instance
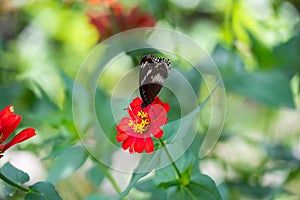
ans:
(110, 178)
(10, 182)
(108, 175)
(170, 158)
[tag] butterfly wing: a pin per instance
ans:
(153, 73)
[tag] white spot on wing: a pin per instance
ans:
(158, 78)
(145, 77)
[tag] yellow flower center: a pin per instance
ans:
(141, 123)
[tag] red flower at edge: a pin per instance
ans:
(8, 123)
(118, 20)
(137, 130)
(105, 2)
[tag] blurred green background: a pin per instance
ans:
(254, 43)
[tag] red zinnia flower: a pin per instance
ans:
(135, 131)
(119, 19)
(8, 123)
(105, 2)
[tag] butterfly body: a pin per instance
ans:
(153, 73)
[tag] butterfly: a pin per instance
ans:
(153, 73)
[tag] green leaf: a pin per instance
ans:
(250, 190)
(271, 88)
(188, 186)
(97, 197)
(200, 187)
(187, 172)
(167, 177)
(261, 52)
(166, 185)
(150, 186)
(38, 78)
(286, 56)
(145, 163)
(227, 60)
(134, 179)
(157, 8)
(224, 191)
(70, 160)
(206, 185)
(42, 191)
(280, 153)
(15, 175)
(95, 175)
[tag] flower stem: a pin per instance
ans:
(10, 182)
(107, 174)
(110, 178)
(170, 158)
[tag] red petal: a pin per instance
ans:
(156, 100)
(149, 145)
(159, 102)
(127, 142)
(23, 135)
(158, 114)
(166, 106)
(123, 125)
(4, 114)
(134, 107)
(6, 111)
(158, 133)
(131, 148)
(9, 125)
(137, 18)
(159, 121)
(139, 145)
(121, 137)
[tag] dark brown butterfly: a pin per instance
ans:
(153, 73)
